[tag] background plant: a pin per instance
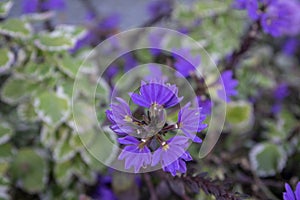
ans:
(41, 155)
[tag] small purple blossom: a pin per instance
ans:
(204, 103)
(32, 6)
(189, 121)
(282, 18)
(129, 62)
(106, 26)
(135, 153)
(290, 47)
(159, 7)
(280, 93)
(120, 116)
(103, 191)
(252, 7)
(229, 86)
(111, 71)
(170, 152)
(111, 21)
(151, 93)
(54, 5)
(179, 164)
(186, 63)
(290, 194)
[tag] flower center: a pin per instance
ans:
(127, 118)
(166, 147)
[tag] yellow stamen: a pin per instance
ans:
(127, 118)
(165, 147)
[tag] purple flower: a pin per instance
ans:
(204, 103)
(121, 117)
(290, 46)
(159, 7)
(185, 63)
(129, 62)
(170, 152)
(32, 6)
(106, 26)
(157, 93)
(252, 7)
(280, 92)
(103, 190)
(149, 129)
(229, 86)
(54, 5)
(135, 153)
(178, 165)
(189, 121)
(110, 22)
(282, 18)
(111, 71)
(290, 194)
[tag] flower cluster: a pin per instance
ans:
(144, 139)
(277, 17)
(229, 84)
(186, 63)
(290, 194)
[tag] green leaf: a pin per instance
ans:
(238, 112)
(220, 29)
(15, 89)
(26, 112)
(211, 7)
(84, 118)
(205, 8)
(62, 38)
(66, 85)
(5, 132)
(239, 116)
(16, 28)
(6, 152)
(37, 71)
(6, 59)
(63, 172)
(53, 42)
(81, 170)
(267, 159)
(68, 65)
(4, 166)
(74, 32)
(29, 170)
(48, 136)
(5, 8)
(103, 146)
(53, 108)
(63, 151)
